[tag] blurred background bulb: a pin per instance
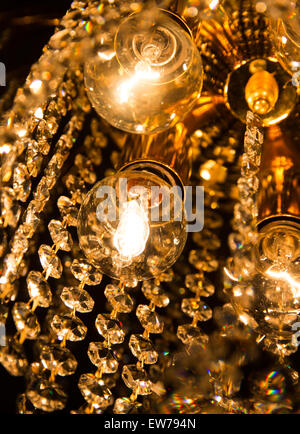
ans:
(125, 230)
(147, 75)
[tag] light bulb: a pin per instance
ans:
(133, 230)
(147, 75)
(132, 225)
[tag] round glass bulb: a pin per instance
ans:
(131, 227)
(147, 76)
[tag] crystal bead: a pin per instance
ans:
(38, 289)
(155, 294)
(68, 211)
(68, 327)
(31, 219)
(136, 379)
(207, 239)
(60, 236)
(94, 391)
(247, 186)
(24, 406)
(8, 291)
(203, 260)
(20, 242)
(195, 308)
(166, 276)
(103, 358)
(46, 395)
(25, 321)
(3, 313)
(34, 158)
(149, 319)
(118, 298)
(188, 334)
(110, 329)
(200, 285)
(83, 271)
(13, 358)
(21, 182)
(123, 405)
(50, 262)
(142, 349)
(58, 359)
(77, 299)
(10, 210)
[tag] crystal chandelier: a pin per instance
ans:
(150, 210)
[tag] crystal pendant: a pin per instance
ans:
(103, 358)
(39, 289)
(46, 395)
(155, 294)
(60, 236)
(137, 379)
(24, 406)
(195, 308)
(123, 406)
(200, 285)
(118, 298)
(13, 358)
(110, 329)
(203, 261)
(149, 319)
(68, 327)
(50, 261)
(68, 211)
(94, 391)
(25, 321)
(188, 334)
(142, 349)
(83, 271)
(58, 359)
(77, 299)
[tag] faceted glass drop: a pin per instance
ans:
(118, 298)
(60, 236)
(188, 334)
(103, 358)
(200, 285)
(68, 327)
(203, 260)
(25, 321)
(13, 358)
(94, 391)
(194, 307)
(39, 289)
(21, 182)
(68, 211)
(149, 319)
(82, 270)
(155, 294)
(110, 329)
(50, 262)
(46, 395)
(123, 406)
(136, 379)
(77, 299)
(142, 349)
(58, 359)
(24, 406)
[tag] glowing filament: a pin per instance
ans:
(133, 230)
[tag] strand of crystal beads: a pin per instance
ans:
(245, 211)
(31, 219)
(95, 387)
(135, 376)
